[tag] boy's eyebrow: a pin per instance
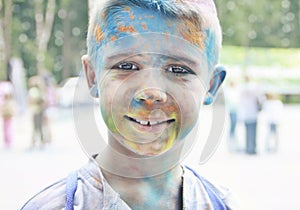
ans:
(180, 58)
(173, 57)
(122, 55)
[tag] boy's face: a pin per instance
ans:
(152, 82)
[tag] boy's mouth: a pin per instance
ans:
(149, 122)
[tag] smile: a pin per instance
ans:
(149, 122)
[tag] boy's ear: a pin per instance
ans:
(214, 84)
(88, 70)
(90, 76)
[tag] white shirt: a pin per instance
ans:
(93, 192)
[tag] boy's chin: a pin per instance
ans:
(138, 151)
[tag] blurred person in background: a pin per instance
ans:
(37, 105)
(50, 102)
(272, 109)
(8, 110)
(251, 99)
(232, 101)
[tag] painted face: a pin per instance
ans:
(152, 81)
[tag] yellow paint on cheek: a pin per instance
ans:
(111, 125)
(98, 34)
(170, 141)
(172, 134)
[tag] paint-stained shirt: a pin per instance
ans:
(94, 192)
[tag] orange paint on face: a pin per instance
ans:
(125, 29)
(149, 103)
(169, 23)
(113, 38)
(167, 35)
(127, 9)
(142, 113)
(98, 34)
(190, 31)
(132, 16)
(171, 108)
(144, 26)
(103, 15)
(150, 17)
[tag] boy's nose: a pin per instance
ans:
(151, 96)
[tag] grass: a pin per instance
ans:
(270, 60)
(269, 57)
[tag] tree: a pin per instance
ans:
(5, 21)
(44, 22)
(72, 26)
(257, 23)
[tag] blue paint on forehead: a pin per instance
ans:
(140, 20)
(123, 21)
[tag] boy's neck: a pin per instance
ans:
(163, 191)
(120, 161)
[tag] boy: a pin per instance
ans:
(152, 65)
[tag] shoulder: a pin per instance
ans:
(89, 185)
(52, 197)
(225, 194)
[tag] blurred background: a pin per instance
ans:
(41, 43)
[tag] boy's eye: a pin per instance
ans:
(179, 69)
(127, 66)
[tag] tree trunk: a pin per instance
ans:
(298, 20)
(44, 23)
(66, 48)
(6, 34)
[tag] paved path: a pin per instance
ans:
(267, 181)
(261, 182)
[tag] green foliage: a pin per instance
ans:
(72, 13)
(67, 43)
(265, 23)
(23, 34)
(255, 56)
(276, 68)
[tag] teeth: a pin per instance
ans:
(144, 122)
(154, 123)
(150, 123)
